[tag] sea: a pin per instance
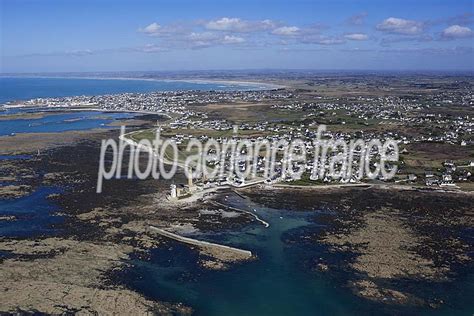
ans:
(25, 88)
(282, 281)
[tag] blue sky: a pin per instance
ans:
(69, 35)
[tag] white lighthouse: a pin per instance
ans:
(174, 191)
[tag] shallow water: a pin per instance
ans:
(34, 214)
(60, 122)
(14, 157)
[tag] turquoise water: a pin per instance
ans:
(16, 88)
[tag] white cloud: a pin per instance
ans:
(286, 31)
(268, 24)
(153, 28)
(208, 39)
(321, 40)
(226, 24)
(400, 26)
(204, 36)
(457, 31)
(201, 40)
(239, 25)
(171, 30)
(331, 41)
(151, 48)
(229, 39)
(356, 37)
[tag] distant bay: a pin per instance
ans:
(25, 88)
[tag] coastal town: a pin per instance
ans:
(283, 115)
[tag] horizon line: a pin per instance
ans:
(247, 70)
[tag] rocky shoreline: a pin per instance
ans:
(386, 241)
(73, 271)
